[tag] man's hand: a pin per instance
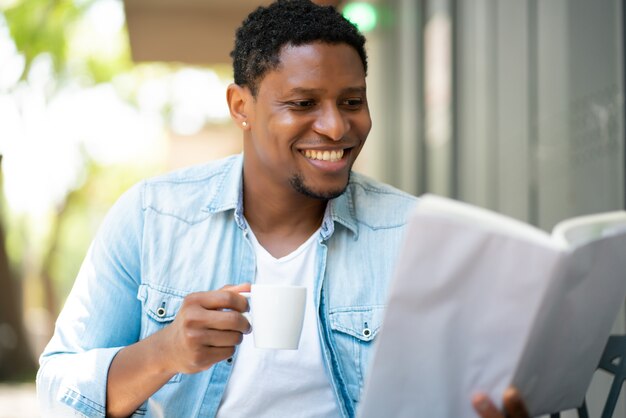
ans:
(206, 329)
(514, 406)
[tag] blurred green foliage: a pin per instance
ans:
(46, 254)
(39, 26)
(49, 26)
(69, 47)
(81, 215)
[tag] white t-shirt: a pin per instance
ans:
(282, 383)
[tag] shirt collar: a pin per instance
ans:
(340, 210)
(229, 196)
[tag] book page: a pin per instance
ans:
(583, 229)
(573, 325)
(459, 312)
(486, 219)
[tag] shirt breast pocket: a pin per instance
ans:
(159, 308)
(354, 331)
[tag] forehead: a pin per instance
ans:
(316, 65)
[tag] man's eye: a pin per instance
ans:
(353, 102)
(302, 104)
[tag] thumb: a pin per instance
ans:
(244, 287)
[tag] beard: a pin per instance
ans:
(297, 182)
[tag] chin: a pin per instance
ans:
(297, 182)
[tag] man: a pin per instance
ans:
(154, 323)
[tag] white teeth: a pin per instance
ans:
(323, 155)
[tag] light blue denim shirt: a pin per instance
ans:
(185, 232)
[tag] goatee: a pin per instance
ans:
(297, 182)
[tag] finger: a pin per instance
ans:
(485, 407)
(222, 352)
(218, 300)
(206, 357)
(214, 338)
(243, 287)
(514, 405)
(205, 319)
(228, 321)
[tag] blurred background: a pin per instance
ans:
(514, 105)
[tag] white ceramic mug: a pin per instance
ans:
(276, 315)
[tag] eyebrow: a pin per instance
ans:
(349, 90)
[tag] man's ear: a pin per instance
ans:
(239, 104)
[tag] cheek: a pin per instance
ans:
(362, 127)
(282, 130)
(280, 122)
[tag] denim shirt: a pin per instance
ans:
(185, 232)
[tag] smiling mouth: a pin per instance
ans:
(332, 156)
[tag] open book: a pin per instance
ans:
(481, 301)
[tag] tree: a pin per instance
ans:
(42, 27)
(46, 245)
(16, 362)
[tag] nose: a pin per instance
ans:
(331, 123)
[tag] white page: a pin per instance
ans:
(582, 229)
(570, 333)
(487, 219)
(450, 309)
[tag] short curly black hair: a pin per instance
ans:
(266, 30)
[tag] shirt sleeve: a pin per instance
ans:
(101, 316)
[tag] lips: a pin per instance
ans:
(323, 155)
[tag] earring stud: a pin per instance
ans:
(244, 124)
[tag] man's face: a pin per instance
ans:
(309, 121)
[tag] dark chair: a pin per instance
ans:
(613, 362)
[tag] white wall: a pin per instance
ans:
(540, 114)
(537, 126)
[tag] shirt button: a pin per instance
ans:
(367, 332)
(230, 360)
(161, 311)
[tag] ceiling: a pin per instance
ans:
(187, 31)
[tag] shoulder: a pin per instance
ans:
(186, 193)
(181, 181)
(378, 205)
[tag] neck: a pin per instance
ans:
(281, 218)
(275, 212)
